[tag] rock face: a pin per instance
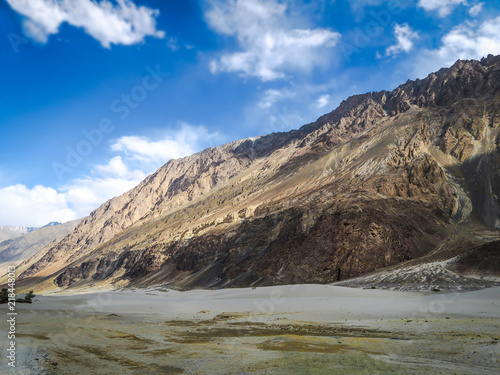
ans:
(385, 178)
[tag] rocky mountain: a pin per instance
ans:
(51, 224)
(9, 231)
(18, 249)
(410, 175)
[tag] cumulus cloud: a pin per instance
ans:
(40, 205)
(123, 23)
(117, 168)
(185, 141)
(270, 46)
(466, 41)
(86, 194)
(404, 40)
(33, 207)
(138, 157)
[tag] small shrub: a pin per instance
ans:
(28, 298)
(4, 295)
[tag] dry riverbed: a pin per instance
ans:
(307, 329)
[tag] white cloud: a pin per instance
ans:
(185, 141)
(466, 41)
(139, 157)
(270, 46)
(404, 36)
(117, 168)
(476, 9)
(124, 23)
(41, 205)
(33, 207)
(323, 101)
(444, 7)
(86, 194)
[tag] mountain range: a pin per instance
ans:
(9, 231)
(28, 241)
(390, 178)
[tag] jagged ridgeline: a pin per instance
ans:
(385, 178)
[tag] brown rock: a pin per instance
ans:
(463, 149)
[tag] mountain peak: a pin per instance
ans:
(51, 224)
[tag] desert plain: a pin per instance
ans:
(300, 329)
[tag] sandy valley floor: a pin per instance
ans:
(306, 329)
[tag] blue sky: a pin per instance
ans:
(98, 94)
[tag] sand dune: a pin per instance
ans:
(325, 302)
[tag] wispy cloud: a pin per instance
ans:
(173, 43)
(271, 96)
(476, 9)
(269, 45)
(124, 23)
(323, 101)
(404, 40)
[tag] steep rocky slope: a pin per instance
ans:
(385, 178)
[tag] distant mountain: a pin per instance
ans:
(388, 177)
(7, 232)
(51, 224)
(15, 250)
